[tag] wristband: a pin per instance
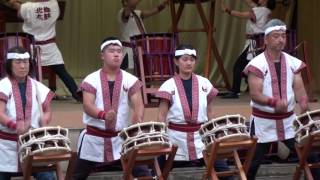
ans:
(161, 7)
(11, 124)
(303, 102)
(101, 114)
(272, 102)
(228, 11)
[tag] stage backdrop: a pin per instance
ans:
(87, 22)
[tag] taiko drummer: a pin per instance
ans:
(108, 95)
(186, 103)
(24, 104)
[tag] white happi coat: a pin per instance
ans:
(9, 93)
(99, 149)
(262, 15)
(269, 130)
(128, 29)
(190, 145)
(40, 21)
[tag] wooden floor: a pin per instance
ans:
(68, 113)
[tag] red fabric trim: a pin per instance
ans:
(88, 88)
(273, 74)
(280, 130)
(94, 131)
(8, 136)
(283, 76)
(105, 95)
(271, 116)
(302, 66)
(253, 70)
(108, 151)
(135, 88)
(4, 97)
(191, 146)
(164, 95)
(17, 100)
(48, 41)
(195, 99)
(183, 99)
(28, 108)
(184, 127)
(116, 95)
(213, 93)
(48, 100)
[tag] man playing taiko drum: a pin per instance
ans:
(275, 84)
(109, 95)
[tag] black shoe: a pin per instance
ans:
(230, 95)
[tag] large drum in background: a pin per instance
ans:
(10, 40)
(44, 141)
(305, 125)
(229, 128)
(157, 55)
(259, 46)
(147, 135)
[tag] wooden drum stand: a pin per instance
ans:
(219, 150)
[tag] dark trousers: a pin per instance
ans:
(69, 82)
(238, 67)
(84, 168)
(263, 148)
(220, 165)
(38, 176)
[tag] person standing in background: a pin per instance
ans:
(131, 24)
(39, 19)
(257, 18)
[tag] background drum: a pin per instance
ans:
(25, 40)
(259, 46)
(229, 128)
(306, 124)
(44, 141)
(148, 135)
(157, 53)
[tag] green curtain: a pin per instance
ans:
(87, 22)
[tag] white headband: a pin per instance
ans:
(274, 28)
(185, 52)
(25, 55)
(110, 42)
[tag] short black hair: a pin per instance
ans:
(108, 39)
(271, 4)
(8, 64)
(184, 46)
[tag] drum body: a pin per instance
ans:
(305, 125)
(157, 55)
(259, 46)
(148, 135)
(24, 40)
(229, 128)
(44, 141)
